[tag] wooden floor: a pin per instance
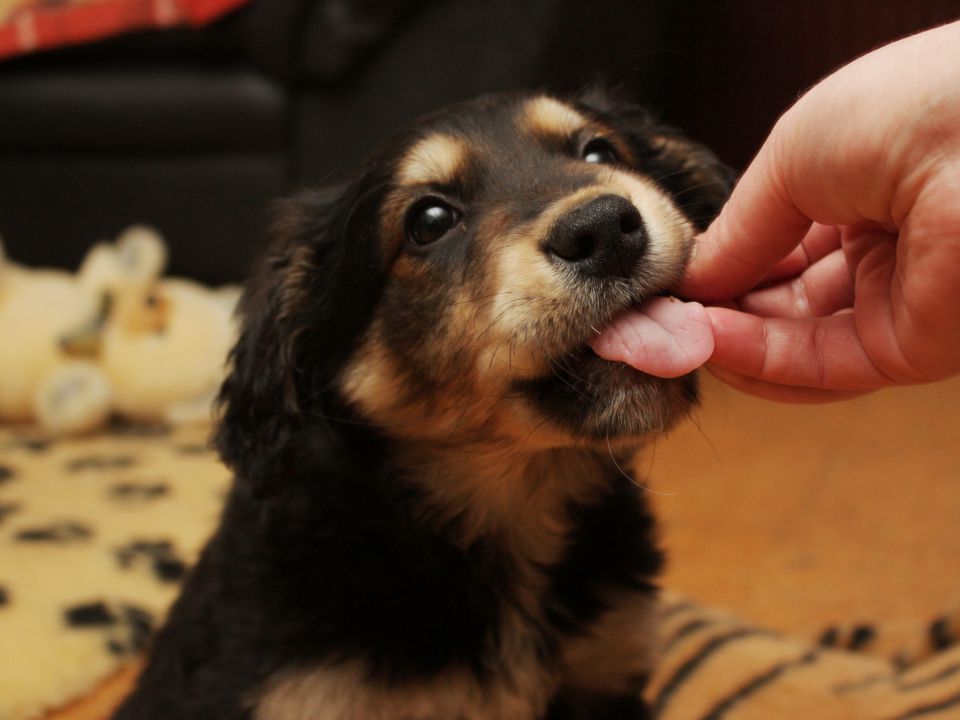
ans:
(795, 516)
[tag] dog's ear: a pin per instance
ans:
(301, 313)
(699, 183)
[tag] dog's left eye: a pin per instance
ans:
(600, 151)
(430, 220)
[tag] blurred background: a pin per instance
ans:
(195, 129)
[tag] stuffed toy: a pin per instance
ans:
(115, 338)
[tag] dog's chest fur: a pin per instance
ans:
(562, 553)
(529, 583)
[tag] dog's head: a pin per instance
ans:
(446, 293)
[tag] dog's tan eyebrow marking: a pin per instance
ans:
(437, 159)
(547, 117)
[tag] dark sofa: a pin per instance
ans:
(196, 131)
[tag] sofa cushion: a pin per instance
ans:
(28, 26)
(142, 108)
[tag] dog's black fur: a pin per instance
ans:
(323, 555)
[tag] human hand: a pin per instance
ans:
(834, 269)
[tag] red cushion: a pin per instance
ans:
(32, 25)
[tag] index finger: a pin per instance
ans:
(756, 229)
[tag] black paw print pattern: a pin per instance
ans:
(100, 462)
(138, 492)
(158, 555)
(7, 509)
(126, 627)
(6, 474)
(120, 428)
(108, 481)
(61, 533)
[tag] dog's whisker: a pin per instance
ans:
(479, 298)
(667, 176)
(494, 322)
(629, 477)
(699, 186)
(559, 371)
(698, 424)
(535, 429)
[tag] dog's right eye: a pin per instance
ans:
(429, 220)
(600, 151)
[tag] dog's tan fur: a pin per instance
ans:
(436, 159)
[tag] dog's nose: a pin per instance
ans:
(603, 237)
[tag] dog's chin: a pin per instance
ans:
(595, 400)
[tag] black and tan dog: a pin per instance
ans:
(429, 521)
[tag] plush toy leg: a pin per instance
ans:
(75, 398)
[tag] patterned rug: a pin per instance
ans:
(94, 535)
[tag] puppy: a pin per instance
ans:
(432, 517)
